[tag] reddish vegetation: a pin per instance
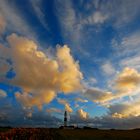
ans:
(26, 134)
(68, 134)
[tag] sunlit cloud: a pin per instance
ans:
(125, 84)
(98, 95)
(41, 76)
(82, 114)
(68, 108)
(66, 105)
(2, 93)
(128, 80)
(125, 110)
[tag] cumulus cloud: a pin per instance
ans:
(66, 104)
(125, 110)
(123, 123)
(107, 121)
(2, 93)
(128, 79)
(68, 108)
(39, 76)
(38, 98)
(126, 83)
(41, 119)
(98, 95)
(20, 117)
(70, 75)
(82, 114)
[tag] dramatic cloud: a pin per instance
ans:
(39, 76)
(70, 75)
(68, 108)
(20, 117)
(37, 99)
(2, 93)
(98, 96)
(109, 122)
(66, 104)
(126, 84)
(82, 114)
(125, 110)
(128, 80)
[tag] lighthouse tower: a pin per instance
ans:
(65, 119)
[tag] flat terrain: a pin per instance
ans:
(67, 134)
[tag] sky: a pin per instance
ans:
(75, 55)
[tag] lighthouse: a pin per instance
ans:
(65, 119)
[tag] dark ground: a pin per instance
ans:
(67, 134)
